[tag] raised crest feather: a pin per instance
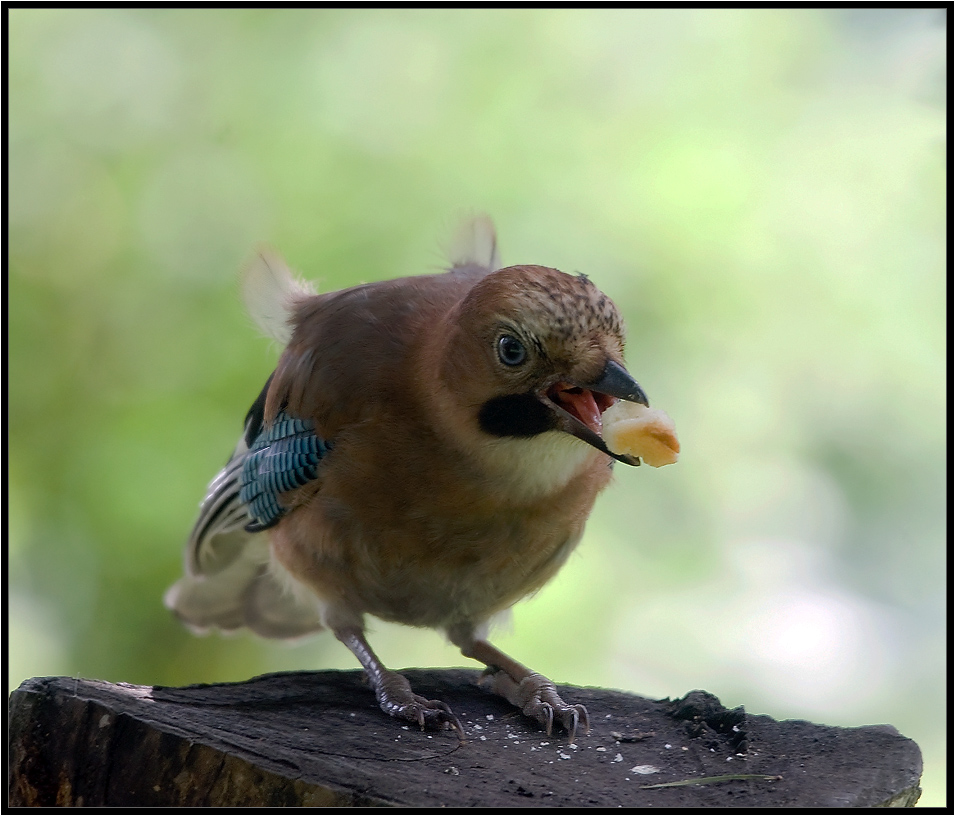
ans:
(475, 244)
(270, 292)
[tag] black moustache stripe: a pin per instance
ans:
(516, 415)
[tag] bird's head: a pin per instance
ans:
(532, 351)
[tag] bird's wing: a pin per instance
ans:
(285, 455)
(228, 582)
(219, 534)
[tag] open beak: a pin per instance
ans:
(580, 406)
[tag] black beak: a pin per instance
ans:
(617, 382)
(614, 382)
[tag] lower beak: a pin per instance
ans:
(579, 406)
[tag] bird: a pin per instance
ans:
(427, 451)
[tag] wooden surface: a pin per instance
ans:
(318, 738)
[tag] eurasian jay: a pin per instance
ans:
(427, 451)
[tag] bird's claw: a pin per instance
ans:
(537, 697)
(398, 700)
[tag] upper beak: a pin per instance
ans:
(617, 382)
(579, 405)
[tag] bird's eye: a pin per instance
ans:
(511, 350)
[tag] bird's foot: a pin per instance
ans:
(537, 697)
(398, 700)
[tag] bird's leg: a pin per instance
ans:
(393, 691)
(532, 693)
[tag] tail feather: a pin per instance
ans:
(246, 593)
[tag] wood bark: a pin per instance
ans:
(319, 739)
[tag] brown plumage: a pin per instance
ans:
(456, 419)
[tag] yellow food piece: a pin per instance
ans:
(631, 428)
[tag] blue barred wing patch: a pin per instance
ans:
(283, 456)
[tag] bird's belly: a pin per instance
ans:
(434, 573)
(460, 584)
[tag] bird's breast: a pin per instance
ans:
(428, 543)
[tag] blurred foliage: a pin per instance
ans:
(761, 191)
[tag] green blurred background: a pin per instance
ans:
(762, 193)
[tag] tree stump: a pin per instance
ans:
(319, 739)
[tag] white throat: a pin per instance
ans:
(538, 465)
